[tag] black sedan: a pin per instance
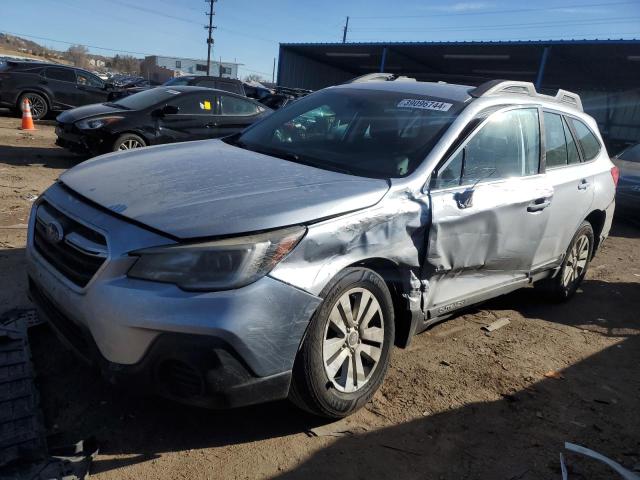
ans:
(156, 116)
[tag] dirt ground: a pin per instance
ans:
(457, 404)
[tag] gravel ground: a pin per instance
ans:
(457, 404)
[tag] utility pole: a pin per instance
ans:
(209, 27)
(344, 31)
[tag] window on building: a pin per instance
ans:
(200, 67)
(178, 64)
(225, 70)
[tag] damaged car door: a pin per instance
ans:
(489, 212)
(192, 118)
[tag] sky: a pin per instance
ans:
(249, 31)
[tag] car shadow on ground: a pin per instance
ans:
(51, 157)
(496, 439)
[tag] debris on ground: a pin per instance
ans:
(554, 374)
(492, 327)
(22, 432)
(623, 472)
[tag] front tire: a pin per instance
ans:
(39, 105)
(574, 267)
(128, 141)
(345, 354)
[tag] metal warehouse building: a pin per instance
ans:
(606, 73)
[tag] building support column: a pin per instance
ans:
(541, 68)
(383, 60)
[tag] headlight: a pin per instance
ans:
(92, 124)
(216, 265)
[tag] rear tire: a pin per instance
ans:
(39, 105)
(128, 141)
(574, 267)
(345, 354)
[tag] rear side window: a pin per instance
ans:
(587, 140)
(508, 145)
(62, 74)
(561, 148)
(237, 106)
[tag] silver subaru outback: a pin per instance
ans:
(287, 260)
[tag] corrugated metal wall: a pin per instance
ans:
(617, 114)
(296, 70)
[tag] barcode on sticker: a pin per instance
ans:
(424, 104)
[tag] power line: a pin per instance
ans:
(77, 43)
(504, 26)
(496, 12)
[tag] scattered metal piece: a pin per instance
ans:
(342, 428)
(492, 327)
(563, 468)
(623, 472)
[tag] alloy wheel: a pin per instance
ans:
(38, 106)
(576, 261)
(129, 144)
(353, 340)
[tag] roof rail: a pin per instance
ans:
(494, 87)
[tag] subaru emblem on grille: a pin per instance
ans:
(54, 232)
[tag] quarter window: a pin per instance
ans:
(237, 106)
(62, 74)
(588, 141)
(508, 145)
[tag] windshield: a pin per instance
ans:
(631, 154)
(148, 98)
(177, 81)
(365, 132)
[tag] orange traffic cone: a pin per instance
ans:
(27, 119)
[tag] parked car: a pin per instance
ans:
(288, 259)
(49, 87)
(283, 96)
(628, 192)
(232, 85)
(152, 117)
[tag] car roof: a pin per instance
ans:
(194, 88)
(458, 93)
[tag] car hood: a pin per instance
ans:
(210, 188)
(75, 114)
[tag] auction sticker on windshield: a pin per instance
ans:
(424, 104)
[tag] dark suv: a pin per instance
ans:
(49, 87)
(219, 83)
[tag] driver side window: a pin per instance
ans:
(508, 145)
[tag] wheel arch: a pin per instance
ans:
(47, 97)
(597, 220)
(397, 279)
(116, 135)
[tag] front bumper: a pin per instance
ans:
(74, 140)
(235, 347)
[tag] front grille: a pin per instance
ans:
(70, 247)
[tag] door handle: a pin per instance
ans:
(211, 125)
(538, 205)
(583, 185)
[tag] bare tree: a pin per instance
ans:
(254, 77)
(78, 55)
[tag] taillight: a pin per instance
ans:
(615, 174)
